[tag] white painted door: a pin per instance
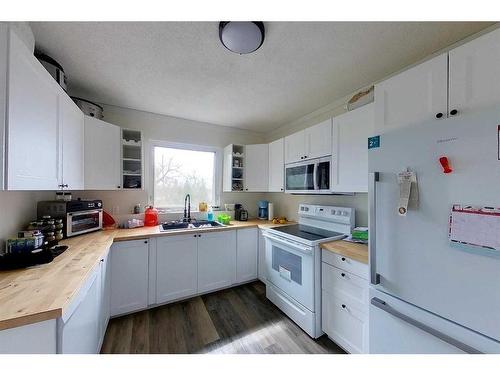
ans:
(102, 155)
(474, 70)
(319, 140)
(295, 147)
(71, 120)
(262, 257)
(129, 276)
(33, 144)
(80, 334)
(227, 169)
(105, 296)
(216, 260)
(416, 95)
(256, 167)
(246, 254)
(350, 149)
(176, 267)
(276, 166)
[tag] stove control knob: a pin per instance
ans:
(334, 212)
(344, 213)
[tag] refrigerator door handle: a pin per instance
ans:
(377, 302)
(372, 195)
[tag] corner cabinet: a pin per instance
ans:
(102, 155)
(351, 131)
(129, 276)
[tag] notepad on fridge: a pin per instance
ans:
(475, 229)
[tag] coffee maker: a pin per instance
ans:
(263, 207)
(240, 213)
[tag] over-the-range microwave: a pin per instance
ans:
(312, 176)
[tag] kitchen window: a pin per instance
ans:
(180, 169)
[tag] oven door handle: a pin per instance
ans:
(85, 212)
(295, 246)
(315, 176)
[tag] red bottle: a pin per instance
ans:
(151, 217)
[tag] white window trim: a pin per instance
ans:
(217, 183)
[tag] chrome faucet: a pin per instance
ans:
(187, 211)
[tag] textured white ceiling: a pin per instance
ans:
(181, 69)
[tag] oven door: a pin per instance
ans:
(309, 177)
(290, 267)
(83, 222)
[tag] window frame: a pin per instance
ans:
(217, 183)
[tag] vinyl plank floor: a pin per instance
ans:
(239, 320)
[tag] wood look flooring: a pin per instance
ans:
(237, 320)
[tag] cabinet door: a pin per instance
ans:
(33, 151)
(262, 257)
(246, 254)
(176, 267)
(4, 41)
(72, 129)
(413, 96)
(216, 260)
(80, 334)
(256, 164)
(295, 147)
(129, 276)
(102, 155)
(276, 166)
(350, 150)
(474, 73)
(319, 140)
(227, 169)
(105, 295)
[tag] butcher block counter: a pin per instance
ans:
(43, 292)
(356, 251)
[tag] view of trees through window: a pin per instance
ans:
(178, 172)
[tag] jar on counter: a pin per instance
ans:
(59, 235)
(50, 236)
(59, 196)
(67, 196)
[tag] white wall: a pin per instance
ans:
(17, 210)
(173, 129)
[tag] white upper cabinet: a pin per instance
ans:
(102, 155)
(255, 166)
(295, 147)
(319, 140)
(416, 95)
(33, 145)
(313, 142)
(72, 128)
(350, 149)
(276, 166)
(474, 74)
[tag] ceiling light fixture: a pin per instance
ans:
(241, 37)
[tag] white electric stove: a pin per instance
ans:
(293, 262)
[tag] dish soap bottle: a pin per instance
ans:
(210, 214)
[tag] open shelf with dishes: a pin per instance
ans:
(234, 168)
(132, 159)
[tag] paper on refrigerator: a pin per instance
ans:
(408, 191)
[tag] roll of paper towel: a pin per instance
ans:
(270, 211)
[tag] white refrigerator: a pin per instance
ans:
(427, 295)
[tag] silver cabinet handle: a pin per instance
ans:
(377, 302)
(372, 217)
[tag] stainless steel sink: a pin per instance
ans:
(179, 225)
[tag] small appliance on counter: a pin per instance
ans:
(240, 213)
(263, 209)
(78, 216)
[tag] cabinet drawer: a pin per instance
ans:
(337, 281)
(343, 323)
(346, 264)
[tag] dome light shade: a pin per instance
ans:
(241, 36)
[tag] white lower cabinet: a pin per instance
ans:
(262, 257)
(246, 254)
(176, 267)
(344, 300)
(129, 276)
(216, 260)
(35, 338)
(105, 296)
(79, 331)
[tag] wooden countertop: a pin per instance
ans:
(43, 292)
(356, 251)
